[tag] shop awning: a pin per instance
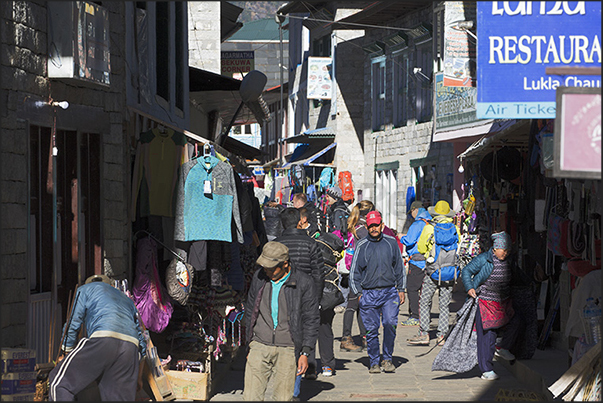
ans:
(312, 135)
(308, 160)
(515, 135)
(466, 131)
(242, 149)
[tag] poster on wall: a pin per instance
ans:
(459, 46)
(454, 105)
(577, 146)
(519, 40)
(320, 83)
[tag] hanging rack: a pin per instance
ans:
(157, 240)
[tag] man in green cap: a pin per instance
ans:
(282, 318)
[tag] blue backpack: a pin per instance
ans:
(311, 193)
(327, 178)
(442, 264)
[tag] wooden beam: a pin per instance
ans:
(573, 71)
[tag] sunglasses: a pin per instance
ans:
(374, 225)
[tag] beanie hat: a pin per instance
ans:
(501, 240)
(335, 192)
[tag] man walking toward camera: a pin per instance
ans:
(377, 275)
(282, 324)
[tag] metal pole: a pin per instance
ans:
(280, 120)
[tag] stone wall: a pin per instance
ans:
(25, 80)
(204, 35)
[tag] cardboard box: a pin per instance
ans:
(189, 385)
(18, 360)
(19, 382)
(21, 397)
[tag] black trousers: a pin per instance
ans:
(326, 338)
(348, 316)
(414, 281)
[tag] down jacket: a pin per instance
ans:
(302, 306)
(305, 255)
(272, 221)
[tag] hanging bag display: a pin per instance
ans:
(179, 280)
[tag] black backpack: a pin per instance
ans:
(339, 219)
(331, 247)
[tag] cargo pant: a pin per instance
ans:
(262, 362)
(380, 305)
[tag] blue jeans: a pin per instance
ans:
(380, 305)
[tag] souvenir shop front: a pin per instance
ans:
(197, 231)
(555, 225)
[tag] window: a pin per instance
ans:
(424, 88)
(378, 93)
(401, 91)
(162, 45)
(386, 191)
(322, 46)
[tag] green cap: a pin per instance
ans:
(273, 254)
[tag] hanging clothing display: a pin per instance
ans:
(159, 154)
(207, 201)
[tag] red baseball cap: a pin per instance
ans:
(373, 217)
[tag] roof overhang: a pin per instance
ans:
(213, 92)
(471, 131)
(378, 13)
(229, 13)
(242, 149)
(323, 133)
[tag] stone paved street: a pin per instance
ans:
(413, 379)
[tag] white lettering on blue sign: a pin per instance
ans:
(574, 49)
(546, 8)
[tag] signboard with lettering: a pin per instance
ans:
(320, 83)
(237, 62)
(577, 147)
(459, 46)
(454, 105)
(518, 40)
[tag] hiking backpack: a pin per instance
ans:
(297, 176)
(338, 220)
(441, 264)
(345, 183)
(327, 178)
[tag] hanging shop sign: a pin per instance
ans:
(237, 63)
(320, 82)
(454, 105)
(518, 40)
(577, 146)
(459, 46)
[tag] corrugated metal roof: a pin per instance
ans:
(260, 30)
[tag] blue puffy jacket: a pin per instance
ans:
(377, 263)
(477, 270)
(411, 239)
(106, 312)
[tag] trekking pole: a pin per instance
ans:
(70, 309)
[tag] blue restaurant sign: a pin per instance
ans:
(518, 40)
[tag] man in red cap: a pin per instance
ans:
(377, 276)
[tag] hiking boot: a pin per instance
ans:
(440, 341)
(490, 376)
(347, 344)
(388, 366)
(504, 354)
(419, 340)
(375, 369)
(410, 322)
(327, 371)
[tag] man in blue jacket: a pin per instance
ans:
(109, 353)
(416, 266)
(377, 276)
